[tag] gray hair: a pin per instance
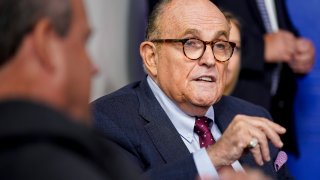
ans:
(153, 21)
(18, 18)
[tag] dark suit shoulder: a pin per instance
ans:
(117, 106)
(240, 106)
(116, 116)
(118, 95)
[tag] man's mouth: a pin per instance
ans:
(206, 79)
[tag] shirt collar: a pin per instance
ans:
(181, 121)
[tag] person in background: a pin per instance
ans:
(234, 62)
(175, 124)
(45, 77)
(273, 56)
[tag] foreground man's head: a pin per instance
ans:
(43, 56)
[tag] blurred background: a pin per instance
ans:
(119, 27)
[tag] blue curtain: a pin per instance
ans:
(305, 15)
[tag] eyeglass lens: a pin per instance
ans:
(194, 49)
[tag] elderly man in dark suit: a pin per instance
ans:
(174, 124)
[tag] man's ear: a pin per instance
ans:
(149, 57)
(46, 45)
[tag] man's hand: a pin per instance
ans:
(304, 56)
(234, 141)
(279, 46)
(230, 174)
(249, 174)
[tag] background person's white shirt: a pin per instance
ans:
(272, 13)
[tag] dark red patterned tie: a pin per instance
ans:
(201, 127)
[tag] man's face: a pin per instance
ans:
(194, 85)
(78, 65)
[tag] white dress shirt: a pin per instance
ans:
(272, 13)
(184, 125)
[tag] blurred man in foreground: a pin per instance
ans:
(45, 77)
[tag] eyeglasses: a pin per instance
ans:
(195, 48)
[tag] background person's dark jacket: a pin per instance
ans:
(37, 142)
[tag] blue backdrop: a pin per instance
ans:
(306, 17)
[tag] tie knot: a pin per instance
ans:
(202, 125)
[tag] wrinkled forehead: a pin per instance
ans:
(199, 18)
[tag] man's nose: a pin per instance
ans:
(207, 58)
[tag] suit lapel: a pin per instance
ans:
(159, 127)
(223, 115)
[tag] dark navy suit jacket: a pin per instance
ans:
(134, 119)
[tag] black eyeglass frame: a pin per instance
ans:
(211, 43)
